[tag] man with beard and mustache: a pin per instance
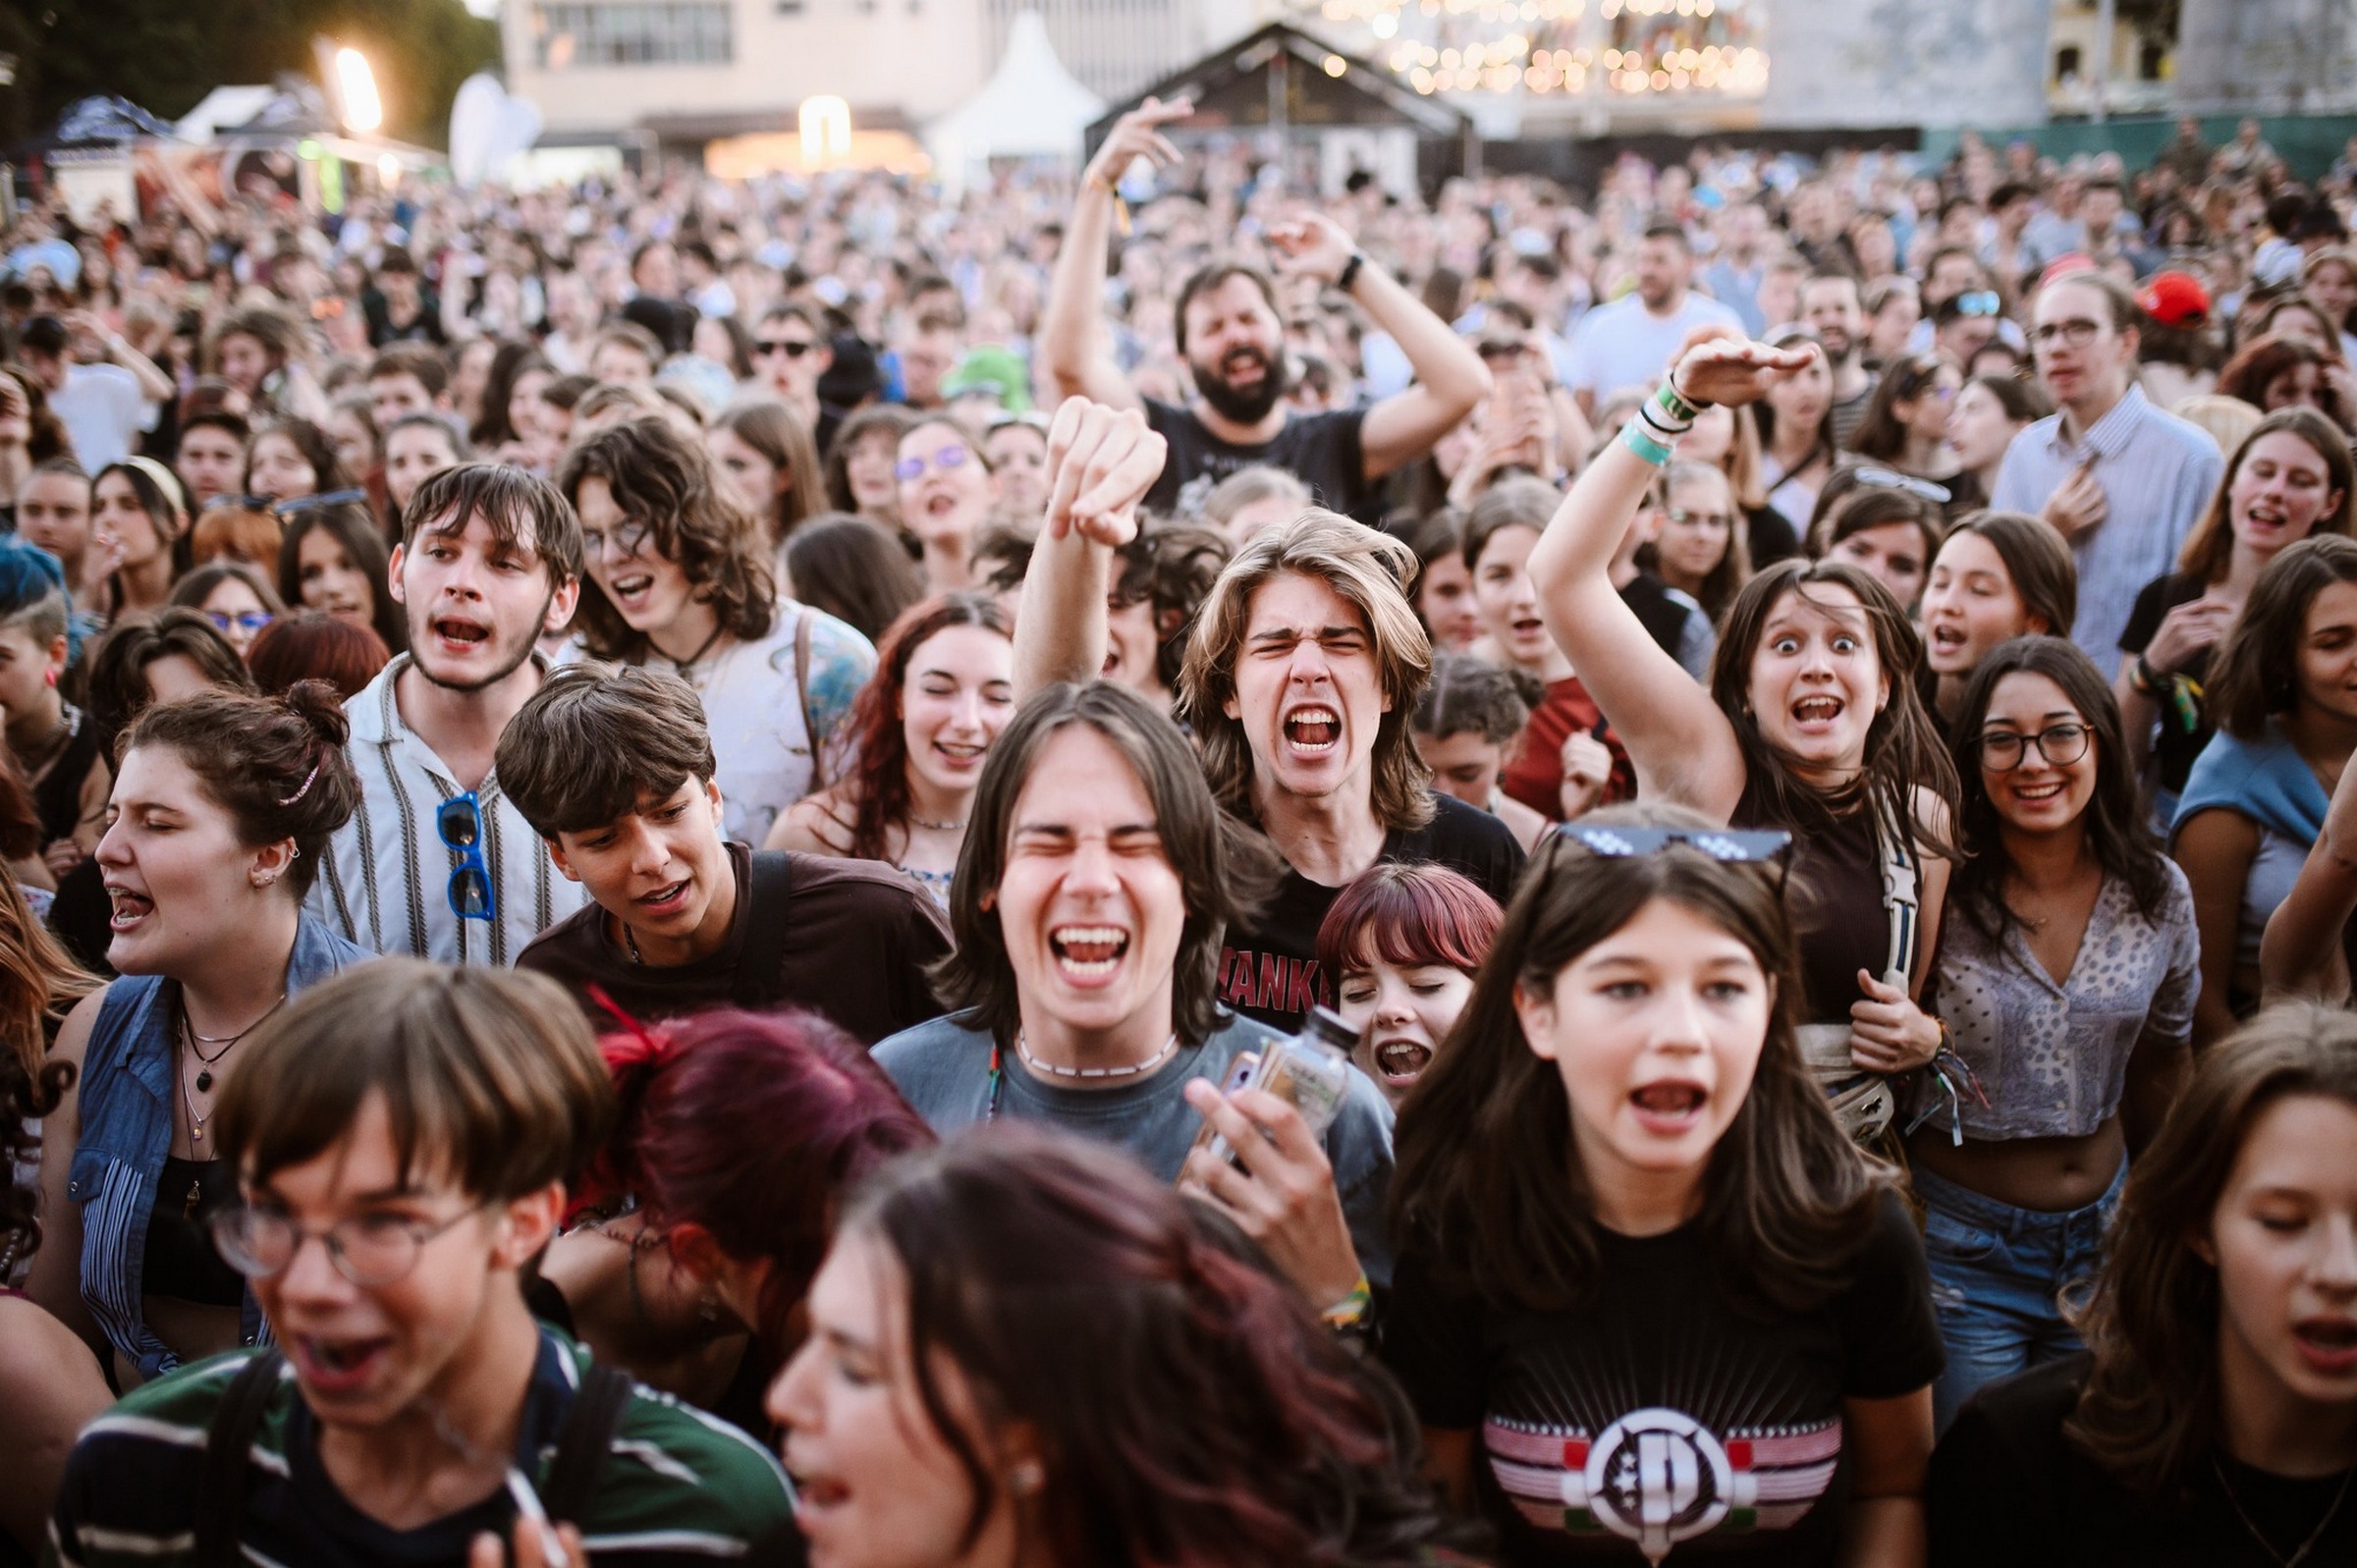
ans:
(1232, 335)
(438, 862)
(1631, 341)
(1829, 303)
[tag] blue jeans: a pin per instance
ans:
(1998, 1272)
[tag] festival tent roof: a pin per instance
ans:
(1281, 78)
(1031, 107)
(97, 121)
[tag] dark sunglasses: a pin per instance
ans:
(1730, 845)
(790, 348)
(460, 822)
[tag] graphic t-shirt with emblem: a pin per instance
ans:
(1655, 1422)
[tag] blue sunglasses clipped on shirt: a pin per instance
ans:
(459, 820)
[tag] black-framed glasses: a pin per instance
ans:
(1732, 845)
(369, 1250)
(248, 621)
(790, 348)
(1892, 479)
(629, 541)
(2076, 333)
(459, 820)
(303, 504)
(2001, 750)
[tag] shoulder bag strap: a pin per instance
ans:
(221, 1500)
(802, 691)
(571, 1483)
(767, 887)
(1901, 889)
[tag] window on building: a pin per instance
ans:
(653, 32)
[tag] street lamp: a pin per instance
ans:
(355, 84)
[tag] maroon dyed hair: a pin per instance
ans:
(881, 744)
(311, 645)
(1187, 1404)
(751, 1126)
(1408, 914)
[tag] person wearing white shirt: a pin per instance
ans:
(104, 406)
(1631, 341)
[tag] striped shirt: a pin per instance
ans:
(2156, 473)
(386, 880)
(678, 1488)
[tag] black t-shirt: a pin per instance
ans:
(1656, 1420)
(1771, 535)
(2176, 743)
(2009, 1487)
(1321, 450)
(1269, 968)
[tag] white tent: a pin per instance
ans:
(1031, 107)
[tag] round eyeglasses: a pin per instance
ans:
(370, 1250)
(2001, 750)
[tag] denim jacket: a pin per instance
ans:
(126, 1098)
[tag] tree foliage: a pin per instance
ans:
(166, 55)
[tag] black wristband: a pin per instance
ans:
(1344, 279)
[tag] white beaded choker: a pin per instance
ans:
(1098, 1074)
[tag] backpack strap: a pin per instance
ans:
(802, 691)
(767, 886)
(221, 1499)
(1902, 881)
(571, 1483)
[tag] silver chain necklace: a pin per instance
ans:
(2314, 1536)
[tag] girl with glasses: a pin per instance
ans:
(1699, 544)
(945, 499)
(1635, 1245)
(221, 814)
(2066, 974)
(2283, 694)
(2213, 1419)
(676, 569)
(236, 599)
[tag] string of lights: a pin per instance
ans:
(1627, 47)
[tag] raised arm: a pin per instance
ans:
(1450, 375)
(1072, 342)
(1684, 747)
(1101, 462)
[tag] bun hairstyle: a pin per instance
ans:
(276, 764)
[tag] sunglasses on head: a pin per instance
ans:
(303, 504)
(1892, 480)
(1727, 846)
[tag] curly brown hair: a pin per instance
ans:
(660, 477)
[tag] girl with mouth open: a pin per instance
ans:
(1025, 1352)
(1999, 575)
(1811, 724)
(221, 815)
(946, 499)
(921, 728)
(677, 569)
(2212, 1420)
(334, 559)
(2067, 972)
(1617, 1170)
(1402, 942)
(2290, 478)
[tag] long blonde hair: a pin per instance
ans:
(40, 981)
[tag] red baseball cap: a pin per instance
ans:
(2175, 299)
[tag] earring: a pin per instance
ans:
(1026, 1478)
(48, 677)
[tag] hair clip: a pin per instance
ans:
(309, 779)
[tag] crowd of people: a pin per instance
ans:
(769, 808)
